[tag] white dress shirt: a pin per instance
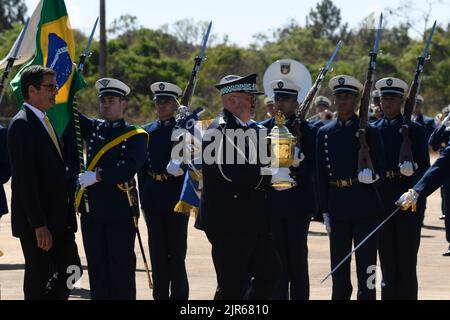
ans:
(40, 116)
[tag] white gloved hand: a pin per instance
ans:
(87, 178)
(174, 168)
(281, 175)
(298, 157)
(327, 222)
(366, 176)
(407, 169)
(408, 200)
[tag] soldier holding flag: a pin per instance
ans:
(115, 153)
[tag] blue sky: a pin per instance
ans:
(239, 19)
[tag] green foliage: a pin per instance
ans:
(11, 12)
(140, 56)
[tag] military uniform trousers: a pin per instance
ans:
(109, 247)
(445, 196)
(291, 236)
(167, 233)
(399, 241)
(40, 266)
(343, 234)
(239, 256)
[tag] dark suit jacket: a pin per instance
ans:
(40, 192)
(233, 200)
(5, 172)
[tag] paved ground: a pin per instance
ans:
(433, 269)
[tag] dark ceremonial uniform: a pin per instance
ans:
(354, 207)
(399, 238)
(317, 216)
(439, 141)
(436, 175)
(290, 215)
(234, 215)
(373, 119)
(167, 230)
(108, 229)
(428, 123)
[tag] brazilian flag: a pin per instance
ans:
(55, 49)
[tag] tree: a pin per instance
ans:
(11, 11)
(124, 24)
(325, 19)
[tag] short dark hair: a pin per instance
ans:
(33, 76)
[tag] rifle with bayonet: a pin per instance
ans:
(405, 149)
(183, 110)
(303, 109)
(364, 160)
(11, 60)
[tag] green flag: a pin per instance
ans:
(55, 49)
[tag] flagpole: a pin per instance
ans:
(76, 116)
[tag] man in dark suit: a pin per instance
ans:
(5, 171)
(42, 212)
(233, 210)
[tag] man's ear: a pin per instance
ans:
(124, 104)
(32, 89)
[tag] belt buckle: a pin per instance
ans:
(344, 183)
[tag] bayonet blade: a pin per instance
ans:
(430, 37)
(377, 40)
(88, 47)
(15, 55)
(205, 41)
(91, 37)
(333, 56)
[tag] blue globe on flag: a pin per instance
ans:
(59, 59)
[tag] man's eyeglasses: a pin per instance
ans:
(51, 87)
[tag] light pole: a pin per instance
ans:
(102, 67)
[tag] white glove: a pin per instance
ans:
(408, 200)
(327, 222)
(366, 176)
(281, 175)
(298, 157)
(407, 168)
(174, 168)
(87, 178)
